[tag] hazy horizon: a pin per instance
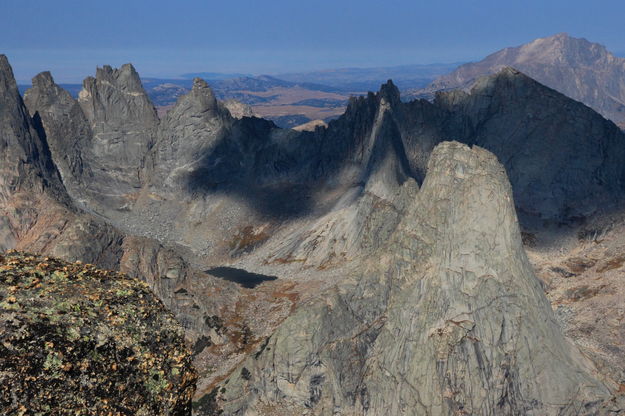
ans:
(164, 39)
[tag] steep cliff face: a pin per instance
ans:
(61, 122)
(577, 68)
(36, 211)
(448, 319)
(100, 141)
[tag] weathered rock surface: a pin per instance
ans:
(580, 69)
(205, 189)
(79, 340)
(100, 140)
(37, 213)
(448, 319)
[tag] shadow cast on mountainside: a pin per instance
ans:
(280, 178)
(245, 163)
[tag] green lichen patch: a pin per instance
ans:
(77, 340)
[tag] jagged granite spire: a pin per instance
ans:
(99, 142)
(448, 318)
(24, 158)
(35, 211)
(59, 118)
(189, 131)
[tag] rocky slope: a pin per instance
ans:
(77, 339)
(580, 69)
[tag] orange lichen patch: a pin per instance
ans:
(333, 260)
(286, 292)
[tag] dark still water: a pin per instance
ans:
(240, 276)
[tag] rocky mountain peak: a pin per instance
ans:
(7, 80)
(43, 80)
(124, 77)
(115, 89)
(45, 91)
(200, 101)
(389, 92)
(433, 312)
(580, 69)
(561, 49)
(536, 165)
(199, 83)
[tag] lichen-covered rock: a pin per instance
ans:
(82, 341)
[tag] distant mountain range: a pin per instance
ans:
(370, 79)
(289, 99)
(580, 69)
(214, 75)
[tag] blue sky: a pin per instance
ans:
(168, 38)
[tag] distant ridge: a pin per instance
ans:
(214, 75)
(576, 67)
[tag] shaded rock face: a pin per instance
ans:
(563, 160)
(449, 319)
(78, 339)
(582, 70)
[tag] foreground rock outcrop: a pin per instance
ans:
(448, 319)
(78, 340)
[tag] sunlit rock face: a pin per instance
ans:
(448, 319)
